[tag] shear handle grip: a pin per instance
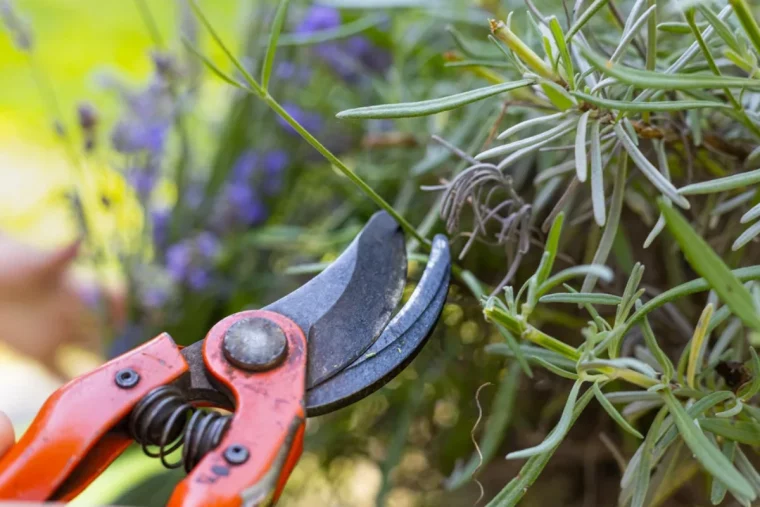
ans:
(69, 443)
(265, 438)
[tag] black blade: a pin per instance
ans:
(345, 308)
(396, 347)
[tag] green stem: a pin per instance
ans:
(335, 161)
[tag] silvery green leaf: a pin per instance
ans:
(514, 157)
(747, 469)
(751, 214)
(747, 236)
(612, 411)
(744, 432)
(754, 154)
(561, 43)
(733, 203)
(597, 271)
(718, 490)
(722, 29)
(645, 460)
(581, 163)
(597, 175)
(583, 18)
(593, 298)
(432, 106)
(610, 230)
(633, 15)
(529, 142)
(661, 81)
(650, 171)
(630, 32)
(559, 431)
(553, 172)
(530, 123)
(709, 264)
(722, 184)
(666, 106)
(706, 453)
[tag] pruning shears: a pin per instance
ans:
(324, 346)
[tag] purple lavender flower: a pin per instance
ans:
(143, 180)
(190, 260)
(309, 120)
(274, 164)
(318, 18)
(129, 136)
(154, 297)
(160, 220)
(243, 205)
(295, 74)
(244, 166)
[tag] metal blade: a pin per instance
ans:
(345, 308)
(396, 347)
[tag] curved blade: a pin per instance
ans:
(396, 347)
(345, 308)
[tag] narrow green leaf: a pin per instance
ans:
(552, 246)
(722, 184)
(747, 469)
(697, 347)
(747, 236)
(630, 33)
(747, 20)
(610, 230)
(532, 352)
(596, 271)
(655, 107)
(538, 120)
(663, 360)
(432, 106)
(279, 20)
(581, 163)
(513, 492)
(676, 27)
(718, 490)
(720, 27)
(583, 18)
(706, 453)
(559, 431)
(559, 38)
(744, 432)
(210, 65)
(214, 35)
(557, 95)
(708, 264)
(662, 81)
(555, 369)
(645, 460)
(653, 175)
(515, 348)
(592, 298)
(341, 32)
(752, 214)
(532, 142)
(612, 411)
(597, 176)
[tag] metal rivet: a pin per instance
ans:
(255, 344)
(236, 454)
(127, 378)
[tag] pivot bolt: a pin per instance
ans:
(236, 454)
(127, 378)
(255, 344)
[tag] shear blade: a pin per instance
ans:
(344, 309)
(396, 347)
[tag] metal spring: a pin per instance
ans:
(164, 419)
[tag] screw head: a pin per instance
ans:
(236, 454)
(255, 344)
(127, 378)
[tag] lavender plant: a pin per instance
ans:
(563, 148)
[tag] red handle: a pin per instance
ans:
(69, 443)
(265, 439)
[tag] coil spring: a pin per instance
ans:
(165, 420)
